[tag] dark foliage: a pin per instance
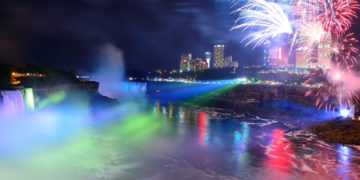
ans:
(338, 131)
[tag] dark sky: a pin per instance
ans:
(151, 33)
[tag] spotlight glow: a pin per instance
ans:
(345, 113)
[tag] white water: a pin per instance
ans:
(12, 103)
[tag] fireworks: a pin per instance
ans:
(312, 33)
(345, 51)
(269, 19)
(339, 17)
(335, 92)
(321, 26)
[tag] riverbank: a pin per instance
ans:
(338, 131)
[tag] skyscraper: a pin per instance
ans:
(267, 47)
(185, 62)
(208, 58)
(219, 49)
(316, 56)
(195, 64)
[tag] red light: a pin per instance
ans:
(204, 63)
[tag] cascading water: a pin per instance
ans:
(134, 87)
(29, 99)
(12, 102)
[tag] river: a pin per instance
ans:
(152, 139)
(195, 142)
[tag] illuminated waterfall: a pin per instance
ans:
(12, 102)
(29, 99)
(134, 87)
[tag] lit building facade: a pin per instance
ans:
(208, 59)
(204, 65)
(324, 53)
(196, 64)
(219, 50)
(185, 62)
(317, 56)
(230, 63)
(267, 47)
(302, 57)
(274, 55)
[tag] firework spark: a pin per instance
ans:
(334, 91)
(337, 15)
(345, 51)
(312, 34)
(269, 19)
(317, 24)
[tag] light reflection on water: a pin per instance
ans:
(246, 150)
(178, 141)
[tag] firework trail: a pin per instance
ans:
(337, 15)
(345, 51)
(320, 26)
(336, 90)
(267, 17)
(312, 34)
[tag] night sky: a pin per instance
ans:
(151, 33)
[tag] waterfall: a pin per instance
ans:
(29, 99)
(135, 87)
(11, 102)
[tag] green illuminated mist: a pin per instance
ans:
(29, 99)
(52, 99)
(207, 97)
(89, 154)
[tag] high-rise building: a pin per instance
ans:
(227, 61)
(302, 57)
(267, 47)
(219, 55)
(317, 56)
(230, 63)
(185, 62)
(324, 53)
(274, 55)
(195, 64)
(204, 65)
(208, 59)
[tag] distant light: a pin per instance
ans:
(345, 113)
(296, 69)
(242, 79)
(280, 53)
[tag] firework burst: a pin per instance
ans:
(345, 51)
(337, 15)
(318, 25)
(312, 34)
(268, 17)
(334, 91)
